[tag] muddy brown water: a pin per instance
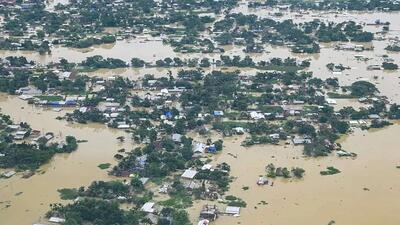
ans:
(367, 191)
(315, 199)
(64, 171)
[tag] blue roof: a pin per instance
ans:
(168, 114)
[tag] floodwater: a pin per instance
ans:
(72, 170)
(367, 191)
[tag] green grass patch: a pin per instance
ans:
(270, 109)
(51, 98)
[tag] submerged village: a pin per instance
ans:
(179, 112)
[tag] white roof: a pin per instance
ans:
(199, 147)
(203, 222)
(123, 126)
(56, 220)
(148, 207)
(25, 97)
(9, 174)
(66, 74)
(189, 173)
(331, 101)
(83, 109)
(206, 167)
(232, 210)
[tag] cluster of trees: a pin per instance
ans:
(273, 171)
(330, 170)
(345, 31)
(389, 66)
(11, 84)
(15, 44)
(88, 42)
(288, 64)
(50, 80)
(362, 89)
(98, 211)
(393, 48)
(98, 62)
(30, 156)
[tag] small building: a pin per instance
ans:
(298, 102)
(123, 126)
(274, 136)
(20, 134)
(177, 138)
(189, 174)
(209, 212)
(256, 115)
(56, 220)
(331, 101)
(199, 147)
(144, 180)
(238, 130)
(218, 113)
(148, 207)
(65, 75)
(374, 67)
(232, 210)
(301, 141)
(262, 181)
(9, 174)
(206, 167)
(204, 222)
(374, 117)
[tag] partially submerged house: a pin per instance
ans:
(209, 212)
(56, 220)
(232, 210)
(188, 180)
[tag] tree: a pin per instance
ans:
(362, 88)
(137, 185)
(340, 126)
(298, 172)
(136, 62)
(389, 66)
